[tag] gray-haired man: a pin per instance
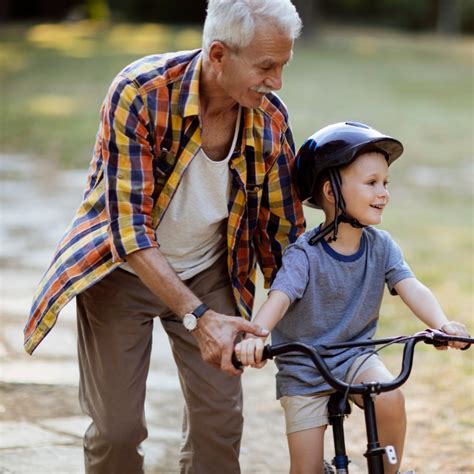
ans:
(189, 187)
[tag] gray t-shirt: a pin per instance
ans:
(334, 298)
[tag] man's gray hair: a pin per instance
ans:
(234, 21)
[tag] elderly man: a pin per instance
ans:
(189, 186)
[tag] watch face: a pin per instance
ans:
(190, 322)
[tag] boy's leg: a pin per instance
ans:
(306, 451)
(306, 420)
(115, 322)
(389, 409)
(212, 425)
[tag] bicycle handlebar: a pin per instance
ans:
(429, 336)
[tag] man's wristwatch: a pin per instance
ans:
(190, 320)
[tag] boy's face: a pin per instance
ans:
(364, 187)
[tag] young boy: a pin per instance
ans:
(331, 284)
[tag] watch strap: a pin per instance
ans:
(200, 310)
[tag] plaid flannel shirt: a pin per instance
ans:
(149, 132)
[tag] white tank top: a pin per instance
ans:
(193, 231)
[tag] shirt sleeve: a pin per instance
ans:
(281, 218)
(128, 169)
(293, 276)
(396, 268)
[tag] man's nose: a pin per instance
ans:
(275, 79)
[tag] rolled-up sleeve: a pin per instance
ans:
(128, 169)
(281, 218)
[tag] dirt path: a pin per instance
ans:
(439, 437)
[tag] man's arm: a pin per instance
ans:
(216, 332)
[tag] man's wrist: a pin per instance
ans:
(191, 319)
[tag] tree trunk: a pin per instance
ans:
(310, 13)
(449, 16)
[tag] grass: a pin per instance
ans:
(418, 88)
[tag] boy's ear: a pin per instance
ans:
(327, 192)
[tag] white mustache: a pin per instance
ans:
(262, 89)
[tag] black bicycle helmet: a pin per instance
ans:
(330, 148)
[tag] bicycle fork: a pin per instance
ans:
(339, 408)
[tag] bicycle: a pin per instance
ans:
(339, 406)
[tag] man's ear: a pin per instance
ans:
(328, 193)
(216, 54)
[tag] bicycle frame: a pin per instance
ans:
(375, 452)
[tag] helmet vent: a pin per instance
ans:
(357, 124)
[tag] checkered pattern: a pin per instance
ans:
(149, 133)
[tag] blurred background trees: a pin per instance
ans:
(447, 16)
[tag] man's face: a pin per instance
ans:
(247, 75)
(364, 187)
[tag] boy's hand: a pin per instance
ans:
(453, 328)
(249, 351)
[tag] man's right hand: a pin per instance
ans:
(216, 334)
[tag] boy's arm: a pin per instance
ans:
(273, 309)
(423, 303)
(249, 351)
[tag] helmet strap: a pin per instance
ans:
(339, 211)
(321, 233)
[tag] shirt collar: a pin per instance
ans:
(188, 104)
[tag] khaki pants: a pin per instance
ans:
(115, 322)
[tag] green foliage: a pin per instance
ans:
(416, 15)
(97, 10)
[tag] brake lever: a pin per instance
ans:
(432, 341)
(432, 333)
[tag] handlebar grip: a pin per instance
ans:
(433, 342)
(439, 338)
(266, 354)
(236, 362)
(445, 343)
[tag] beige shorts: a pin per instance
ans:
(303, 412)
